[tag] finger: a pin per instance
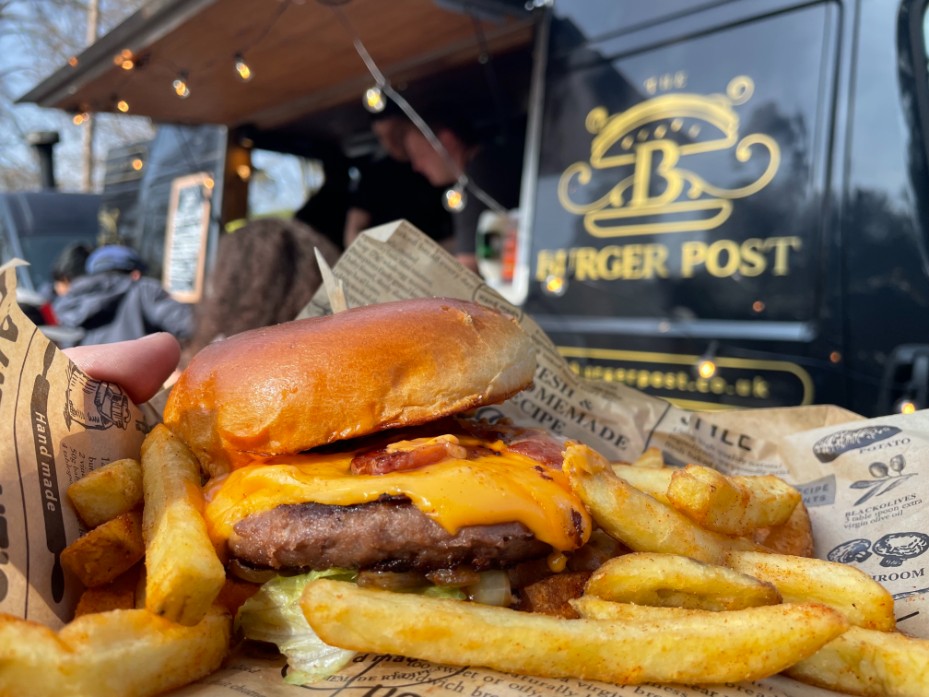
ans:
(140, 366)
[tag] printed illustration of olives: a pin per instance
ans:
(877, 469)
(897, 463)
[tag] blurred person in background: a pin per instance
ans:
(265, 273)
(326, 209)
(494, 167)
(389, 189)
(114, 301)
(69, 265)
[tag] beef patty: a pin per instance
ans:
(391, 535)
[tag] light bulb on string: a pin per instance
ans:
(125, 59)
(706, 364)
(80, 118)
(555, 284)
(181, 88)
(123, 106)
(706, 368)
(455, 199)
(905, 405)
(373, 100)
(242, 69)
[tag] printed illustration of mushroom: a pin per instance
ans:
(851, 551)
(897, 547)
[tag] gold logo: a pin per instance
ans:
(650, 147)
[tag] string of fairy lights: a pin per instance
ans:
(374, 98)
(131, 63)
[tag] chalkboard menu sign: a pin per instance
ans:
(185, 238)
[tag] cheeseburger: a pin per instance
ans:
(333, 442)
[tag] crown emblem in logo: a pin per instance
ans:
(652, 149)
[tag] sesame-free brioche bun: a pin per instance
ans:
(290, 387)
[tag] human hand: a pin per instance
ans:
(140, 366)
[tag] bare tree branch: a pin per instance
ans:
(36, 38)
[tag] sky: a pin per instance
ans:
(36, 38)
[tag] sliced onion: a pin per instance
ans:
(459, 577)
(391, 580)
(248, 573)
(493, 588)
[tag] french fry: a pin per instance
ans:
(651, 458)
(183, 573)
(670, 580)
(860, 661)
(106, 551)
(122, 653)
(718, 647)
(869, 663)
(593, 608)
(104, 599)
(731, 505)
(794, 537)
(638, 520)
(107, 492)
(116, 595)
(863, 601)
(649, 480)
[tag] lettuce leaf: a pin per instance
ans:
(273, 615)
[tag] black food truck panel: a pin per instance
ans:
(679, 211)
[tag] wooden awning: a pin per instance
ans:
(300, 51)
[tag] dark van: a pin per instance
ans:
(730, 204)
(37, 225)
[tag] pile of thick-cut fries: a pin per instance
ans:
(138, 630)
(719, 587)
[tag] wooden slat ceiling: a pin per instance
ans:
(301, 54)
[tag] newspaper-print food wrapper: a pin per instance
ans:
(865, 481)
(56, 424)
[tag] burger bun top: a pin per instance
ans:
(294, 386)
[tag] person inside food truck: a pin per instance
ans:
(491, 167)
(388, 189)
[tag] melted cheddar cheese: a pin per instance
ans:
(497, 488)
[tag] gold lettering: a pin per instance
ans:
(728, 250)
(633, 268)
(609, 263)
(655, 261)
(693, 254)
(585, 263)
(665, 169)
(753, 261)
(634, 262)
(782, 245)
(551, 262)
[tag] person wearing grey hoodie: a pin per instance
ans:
(115, 302)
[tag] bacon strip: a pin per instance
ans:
(538, 445)
(384, 461)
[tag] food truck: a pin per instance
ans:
(722, 203)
